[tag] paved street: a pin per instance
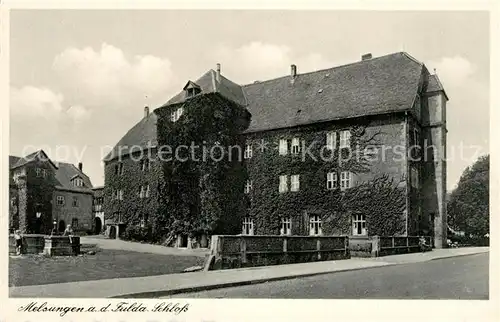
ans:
(464, 277)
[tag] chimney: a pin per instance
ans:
(366, 56)
(146, 111)
(293, 71)
(80, 166)
(218, 72)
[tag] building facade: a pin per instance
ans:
(302, 127)
(47, 195)
(97, 209)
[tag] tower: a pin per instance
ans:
(434, 163)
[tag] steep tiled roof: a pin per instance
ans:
(13, 160)
(435, 85)
(138, 137)
(374, 86)
(30, 157)
(208, 84)
(64, 172)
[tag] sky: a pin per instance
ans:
(79, 79)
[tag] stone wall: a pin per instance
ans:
(68, 212)
(268, 206)
(375, 246)
(249, 251)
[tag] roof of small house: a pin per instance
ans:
(64, 172)
(373, 86)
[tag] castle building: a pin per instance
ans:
(391, 107)
(45, 195)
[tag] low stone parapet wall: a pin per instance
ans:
(250, 251)
(62, 245)
(31, 244)
(374, 246)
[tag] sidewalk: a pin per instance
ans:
(164, 285)
(105, 243)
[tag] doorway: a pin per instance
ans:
(183, 241)
(98, 225)
(62, 226)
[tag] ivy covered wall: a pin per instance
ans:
(379, 185)
(132, 209)
(200, 194)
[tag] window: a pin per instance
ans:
(38, 172)
(248, 151)
(119, 169)
(331, 140)
(295, 183)
(359, 225)
(286, 226)
(74, 223)
(75, 202)
(331, 180)
(144, 192)
(60, 200)
(147, 191)
(345, 180)
(176, 115)
(248, 186)
(416, 137)
(283, 184)
(414, 177)
(283, 148)
(345, 139)
(44, 173)
(78, 182)
(118, 194)
(145, 165)
(295, 146)
(143, 221)
(247, 228)
(315, 225)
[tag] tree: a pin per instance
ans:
(468, 207)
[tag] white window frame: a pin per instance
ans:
(283, 147)
(146, 164)
(75, 202)
(414, 177)
(247, 227)
(44, 173)
(60, 200)
(295, 182)
(120, 194)
(283, 186)
(345, 180)
(176, 115)
(248, 186)
(295, 146)
(345, 139)
(416, 137)
(331, 180)
(286, 226)
(38, 172)
(359, 224)
(331, 140)
(315, 225)
(147, 191)
(248, 151)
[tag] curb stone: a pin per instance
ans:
(194, 289)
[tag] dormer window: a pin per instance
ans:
(192, 89)
(78, 182)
